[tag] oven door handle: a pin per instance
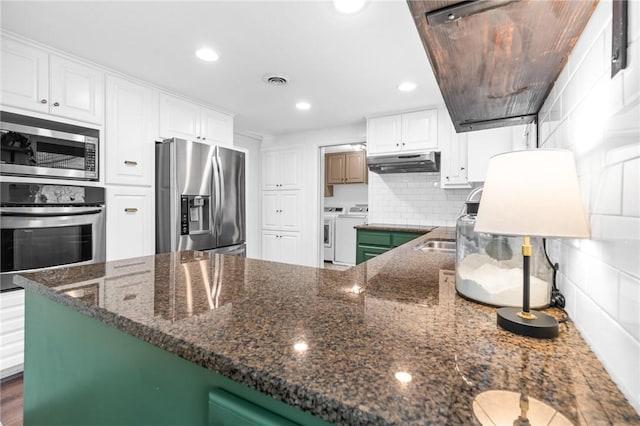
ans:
(49, 211)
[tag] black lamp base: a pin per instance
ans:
(542, 327)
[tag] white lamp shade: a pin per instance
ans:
(532, 193)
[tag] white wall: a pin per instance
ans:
(346, 195)
(254, 200)
(311, 141)
(413, 199)
(598, 118)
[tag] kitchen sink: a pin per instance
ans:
(437, 246)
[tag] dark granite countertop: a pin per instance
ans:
(395, 228)
(398, 312)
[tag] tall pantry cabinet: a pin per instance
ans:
(281, 205)
(131, 128)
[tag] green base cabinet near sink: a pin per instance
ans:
(370, 244)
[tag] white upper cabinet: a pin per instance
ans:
(453, 161)
(216, 128)
(185, 120)
(130, 132)
(35, 80)
(178, 118)
(420, 130)
(484, 144)
(384, 134)
(281, 170)
(76, 91)
(25, 76)
(410, 132)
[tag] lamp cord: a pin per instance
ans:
(557, 298)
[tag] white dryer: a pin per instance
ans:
(346, 233)
(330, 214)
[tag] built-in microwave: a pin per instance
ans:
(41, 148)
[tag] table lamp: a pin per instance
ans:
(531, 193)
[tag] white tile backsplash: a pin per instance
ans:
(629, 300)
(413, 199)
(609, 194)
(600, 123)
(631, 188)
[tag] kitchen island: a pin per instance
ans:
(385, 342)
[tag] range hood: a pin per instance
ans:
(405, 163)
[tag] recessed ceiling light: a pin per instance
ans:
(348, 6)
(303, 105)
(407, 86)
(207, 54)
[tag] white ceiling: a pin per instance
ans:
(346, 66)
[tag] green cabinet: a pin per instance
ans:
(370, 244)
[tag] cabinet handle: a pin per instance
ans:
(461, 168)
(130, 163)
(397, 144)
(447, 177)
(197, 137)
(56, 104)
(403, 144)
(43, 101)
(131, 210)
(203, 138)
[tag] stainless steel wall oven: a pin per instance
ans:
(43, 148)
(44, 226)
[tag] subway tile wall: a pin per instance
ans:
(598, 118)
(413, 199)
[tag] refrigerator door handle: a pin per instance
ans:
(219, 189)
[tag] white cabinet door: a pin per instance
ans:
(25, 76)
(178, 118)
(420, 130)
(130, 222)
(384, 134)
(216, 128)
(280, 210)
(482, 145)
(11, 332)
(270, 214)
(281, 170)
(289, 246)
(280, 246)
(289, 210)
(270, 180)
(270, 240)
(453, 161)
(290, 168)
(131, 129)
(77, 91)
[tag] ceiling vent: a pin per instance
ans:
(275, 79)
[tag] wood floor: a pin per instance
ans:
(11, 401)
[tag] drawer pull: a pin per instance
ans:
(56, 104)
(43, 101)
(130, 296)
(130, 210)
(130, 163)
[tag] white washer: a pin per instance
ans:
(330, 214)
(346, 233)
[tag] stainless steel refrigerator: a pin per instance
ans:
(200, 198)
